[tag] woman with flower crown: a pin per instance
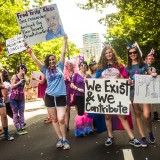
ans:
(55, 98)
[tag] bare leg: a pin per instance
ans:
(53, 113)
(126, 125)
(109, 125)
(137, 113)
(61, 116)
(146, 114)
(67, 117)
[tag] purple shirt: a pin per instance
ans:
(68, 85)
(78, 81)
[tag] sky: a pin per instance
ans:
(77, 22)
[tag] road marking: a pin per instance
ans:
(127, 153)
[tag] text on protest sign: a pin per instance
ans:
(15, 44)
(107, 96)
(147, 89)
(40, 24)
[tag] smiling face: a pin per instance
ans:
(83, 67)
(133, 54)
(52, 61)
(109, 54)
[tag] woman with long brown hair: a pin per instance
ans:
(111, 67)
(136, 65)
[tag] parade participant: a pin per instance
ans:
(42, 85)
(83, 124)
(17, 98)
(70, 68)
(3, 113)
(93, 68)
(55, 98)
(136, 65)
(7, 92)
(150, 60)
(110, 67)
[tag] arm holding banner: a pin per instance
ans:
(62, 58)
(151, 73)
(33, 56)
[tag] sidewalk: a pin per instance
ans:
(34, 111)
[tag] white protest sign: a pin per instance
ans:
(40, 24)
(107, 96)
(35, 74)
(147, 89)
(15, 44)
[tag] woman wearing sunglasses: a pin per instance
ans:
(17, 98)
(136, 65)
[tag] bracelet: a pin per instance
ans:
(30, 51)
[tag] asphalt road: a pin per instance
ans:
(39, 143)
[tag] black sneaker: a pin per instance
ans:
(9, 138)
(109, 141)
(144, 142)
(135, 142)
(156, 118)
(152, 138)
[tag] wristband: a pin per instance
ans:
(30, 51)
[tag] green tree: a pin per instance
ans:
(136, 20)
(9, 28)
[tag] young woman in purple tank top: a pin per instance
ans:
(17, 98)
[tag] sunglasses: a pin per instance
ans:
(83, 65)
(135, 52)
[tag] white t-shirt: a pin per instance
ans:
(110, 73)
(7, 85)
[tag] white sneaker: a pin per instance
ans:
(59, 143)
(66, 145)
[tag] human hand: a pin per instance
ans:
(130, 81)
(154, 74)
(65, 37)
(28, 48)
(22, 80)
(80, 90)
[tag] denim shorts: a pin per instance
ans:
(52, 101)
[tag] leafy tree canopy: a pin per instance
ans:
(9, 28)
(136, 20)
